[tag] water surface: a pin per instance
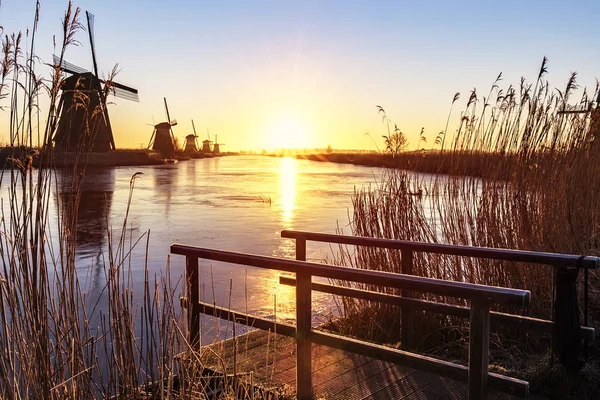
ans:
(237, 203)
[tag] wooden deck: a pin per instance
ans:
(336, 374)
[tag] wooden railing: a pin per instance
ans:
(480, 296)
(407, 304)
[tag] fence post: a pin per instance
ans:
(303, 327)
(566, 337)
(407, 313)
(193, 297)
(479, 341)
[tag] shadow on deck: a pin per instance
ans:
(337, 374)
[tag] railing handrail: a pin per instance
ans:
(556, 259)
(441, 287)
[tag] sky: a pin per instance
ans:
(309, 74)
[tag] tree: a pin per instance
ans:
(395, 141)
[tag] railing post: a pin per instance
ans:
(566, 337)
(407, 313)
(193, 297)
(479, 341)
(303, 328)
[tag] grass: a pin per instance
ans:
(518, 174)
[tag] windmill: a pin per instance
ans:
(206, 145)
(216, 149)
(162, 139)
(191, 142)
(83, 115)
(594, 113)
(191, 145)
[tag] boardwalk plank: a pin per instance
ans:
(402, 387)
(373, 382)
(437, 387)
(337, 374)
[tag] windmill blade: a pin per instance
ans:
(151, 138)
(169, 119)
(68, 67)
(167, 109)
(123, 92)
(124, 87)
(90, 21)
(194, 128)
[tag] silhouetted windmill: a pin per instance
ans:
(191, 143)
(216, 146)
(83, 116)
(206, 145)
(162, 139)
(594, 116)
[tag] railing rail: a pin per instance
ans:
(481, 297)
(556, 259)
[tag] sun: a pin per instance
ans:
(289, 131)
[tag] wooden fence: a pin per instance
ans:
(480, 296)
(407, 249)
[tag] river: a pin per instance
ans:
(237, 203)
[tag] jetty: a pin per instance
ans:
(314, 363)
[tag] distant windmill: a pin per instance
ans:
(594, 116)
(191, 145)
(206, 145)
(83, 116)
(216, 148)
(162, 139)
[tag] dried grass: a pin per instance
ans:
(518, 174)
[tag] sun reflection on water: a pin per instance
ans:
(287, 179)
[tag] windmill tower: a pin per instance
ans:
(206, 145)
(216, 146)
(162, 139)
(191, 145)
(82, 113)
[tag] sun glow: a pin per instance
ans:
(289, 132)
(287, 177)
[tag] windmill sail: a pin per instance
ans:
(67, 66)
(83, 115)
(116, 89)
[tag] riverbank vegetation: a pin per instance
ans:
(61, 336)
(519, 174)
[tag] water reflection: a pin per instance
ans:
(93, 211)
(284, 299)
(164, 181)
(190, 169)
(287, 181)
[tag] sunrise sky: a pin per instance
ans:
(273, 74)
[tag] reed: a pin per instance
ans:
(59, 336)
(518, 174)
